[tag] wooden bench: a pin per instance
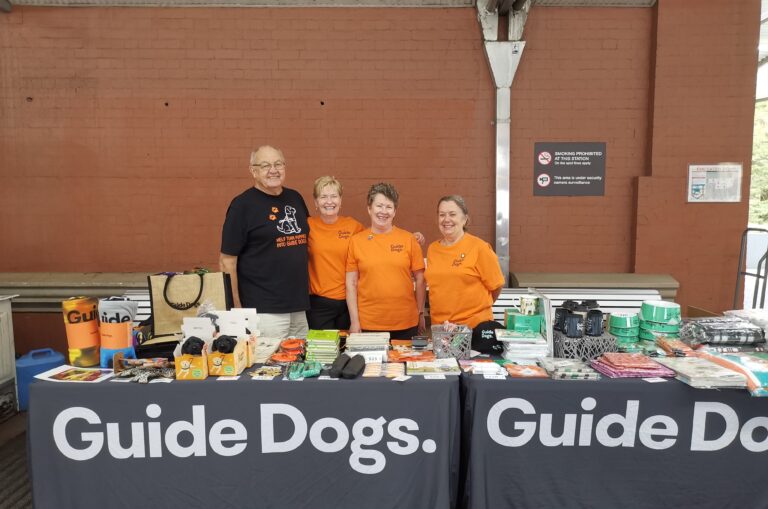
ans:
(664, 284)
(42, 292)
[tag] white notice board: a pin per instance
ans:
(709, 183)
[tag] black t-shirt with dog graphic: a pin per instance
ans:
(269, 236)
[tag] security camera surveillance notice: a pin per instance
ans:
(569, 169)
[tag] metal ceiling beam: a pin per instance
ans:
(248, 3)
(594, 3)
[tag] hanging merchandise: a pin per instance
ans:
(81, 323)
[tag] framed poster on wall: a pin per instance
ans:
(714, 183)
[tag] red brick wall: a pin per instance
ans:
(583, 77)
(125, 132)
(702, 113)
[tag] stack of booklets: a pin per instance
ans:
(704, 374)
(436, 367)
(373, 346)
(568, 369)
(322, 346)
(522, 347)
(265, 348)
(630, 365)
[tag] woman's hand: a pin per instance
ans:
(422, 324)
(420, 238)
(355, 327)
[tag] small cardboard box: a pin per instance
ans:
(194, 367)
(228, 364)
(191, 367)
(237, 325)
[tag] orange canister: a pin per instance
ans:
(81, 321)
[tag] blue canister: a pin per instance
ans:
(31, 364)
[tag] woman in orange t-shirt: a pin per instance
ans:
(329, 235)
(382, 265)
(463, 272)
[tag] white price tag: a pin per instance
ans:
(494, 377)
(262, 377)
(434, 377)
(326, 377)
(161, 380)
(229, 377)
(401, 378)
(655, 380)
(120, 380)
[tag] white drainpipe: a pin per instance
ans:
(503, 59)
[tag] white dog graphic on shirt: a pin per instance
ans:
(288, 224)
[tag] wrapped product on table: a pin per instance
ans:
(721, 330)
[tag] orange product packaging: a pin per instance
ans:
(81, 322)
(525, 371)
(191, 367)
(228, 364)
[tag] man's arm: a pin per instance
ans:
(228, 264)
(354, 316)
(421, 291)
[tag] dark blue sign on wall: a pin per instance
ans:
(569, 169)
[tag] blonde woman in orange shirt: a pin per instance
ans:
(329, 235)
(382, 265)
(463, 272)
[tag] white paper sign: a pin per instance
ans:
(326, 377)
(262, 377)
(434, 377)
(228, 378)
(494, 377)
(401, 378)
(709, 183)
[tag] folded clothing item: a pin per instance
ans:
(728, 330)
(629, 365)
(354, 367)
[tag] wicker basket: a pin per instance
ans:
(455, 344)
(586, 348)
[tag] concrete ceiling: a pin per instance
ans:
(328, 3)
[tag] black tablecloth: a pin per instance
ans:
(713, 457)
(77, 430)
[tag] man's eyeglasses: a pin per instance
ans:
(265, 167)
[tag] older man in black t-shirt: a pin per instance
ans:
(264, 248)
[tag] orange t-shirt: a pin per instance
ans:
(461, 278)
(328, 246)
(384, 263)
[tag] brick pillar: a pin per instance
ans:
(702, 109)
